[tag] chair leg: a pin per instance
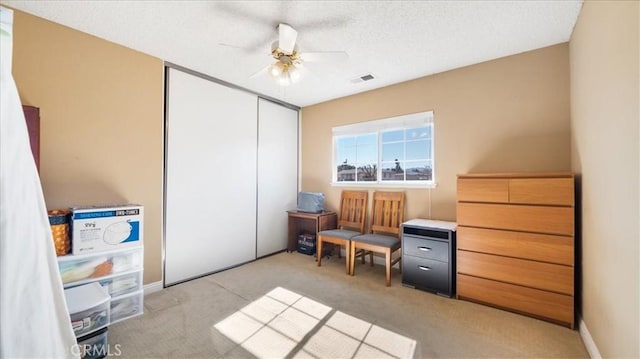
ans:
(347, 256)
(319, 251)
(371, 257)
(352, 259)
(400, 264)
(387, 259)
(362, 255)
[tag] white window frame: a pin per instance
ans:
(378, 126)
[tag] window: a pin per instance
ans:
(396, 150)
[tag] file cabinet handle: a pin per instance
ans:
(424, 268)
(426, 249)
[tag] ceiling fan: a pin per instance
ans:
(289, 61)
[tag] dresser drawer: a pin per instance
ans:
(551, 220)
(426, 274)
(483, 190)
(540, 247)
(553, 306)
(425, 248)
(545, 276)
(549, 191)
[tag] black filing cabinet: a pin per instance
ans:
(428, 256)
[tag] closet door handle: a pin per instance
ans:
(425, 249)
(424, 268)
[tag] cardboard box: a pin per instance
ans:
(103, 228)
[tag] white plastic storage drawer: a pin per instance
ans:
(127, 306)
(79, 269)
(94, 346)
(123, 284)
(89, 308)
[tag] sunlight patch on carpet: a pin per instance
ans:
(283, 323)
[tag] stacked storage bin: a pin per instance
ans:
(89, 308)
(108, 258)
(118, 271)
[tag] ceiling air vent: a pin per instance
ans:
(363, 78)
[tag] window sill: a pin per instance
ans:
(426, 185)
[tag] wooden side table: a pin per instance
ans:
(304, 222)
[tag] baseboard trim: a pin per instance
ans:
(152, 287)
(588, 340)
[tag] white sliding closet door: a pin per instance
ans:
(277, 174)
(210, 193)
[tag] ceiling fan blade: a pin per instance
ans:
(324, 56)
(236, 47)
(305, 71)
(260, 72)
(323, 25)
(243, 13)
(287, 38)
(255, 47)
(322, 70)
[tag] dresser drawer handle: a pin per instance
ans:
(424, 268)
(426, 249)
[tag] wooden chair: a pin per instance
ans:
(387, 216)
(351, 220)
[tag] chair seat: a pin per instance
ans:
(340, 233)
(379, 240)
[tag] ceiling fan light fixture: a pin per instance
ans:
(288, 67)
(294, 74)
(285, 72)
(283, 79)
(276, 69)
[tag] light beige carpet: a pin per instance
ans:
(284, 324)
(196, 319)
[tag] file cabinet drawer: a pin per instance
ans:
(426, 274)
(425, 248)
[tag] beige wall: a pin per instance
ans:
(510, 114)
(605, 153)
(101, 108)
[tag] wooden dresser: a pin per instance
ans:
(515, 243)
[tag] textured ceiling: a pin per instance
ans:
(395, 41)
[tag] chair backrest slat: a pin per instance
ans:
(388, 212)
(353, 207)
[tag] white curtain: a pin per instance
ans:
(34, 321)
